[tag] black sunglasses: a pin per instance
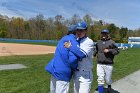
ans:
(80, 29)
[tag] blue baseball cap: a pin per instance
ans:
(81, 25)
(105, 31)
(72, 28)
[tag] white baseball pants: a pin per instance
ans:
(82, 81)
(104, 73)
(58, 86)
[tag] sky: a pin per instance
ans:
(123, 13)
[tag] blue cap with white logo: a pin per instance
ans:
(81, 25)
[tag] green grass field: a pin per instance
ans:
(35, 79)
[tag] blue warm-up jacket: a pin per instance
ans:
(65, 60)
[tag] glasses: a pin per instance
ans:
(104, 33)
(80, 29)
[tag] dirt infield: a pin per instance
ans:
(8, 49)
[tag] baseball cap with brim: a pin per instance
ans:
(81, 28)
(105, 31)
(72, 28)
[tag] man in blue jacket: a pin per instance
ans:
(64, 62)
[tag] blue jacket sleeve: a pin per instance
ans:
(76, 50)
(73, 61)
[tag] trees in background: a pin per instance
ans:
(3, 27)
(53, 28)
